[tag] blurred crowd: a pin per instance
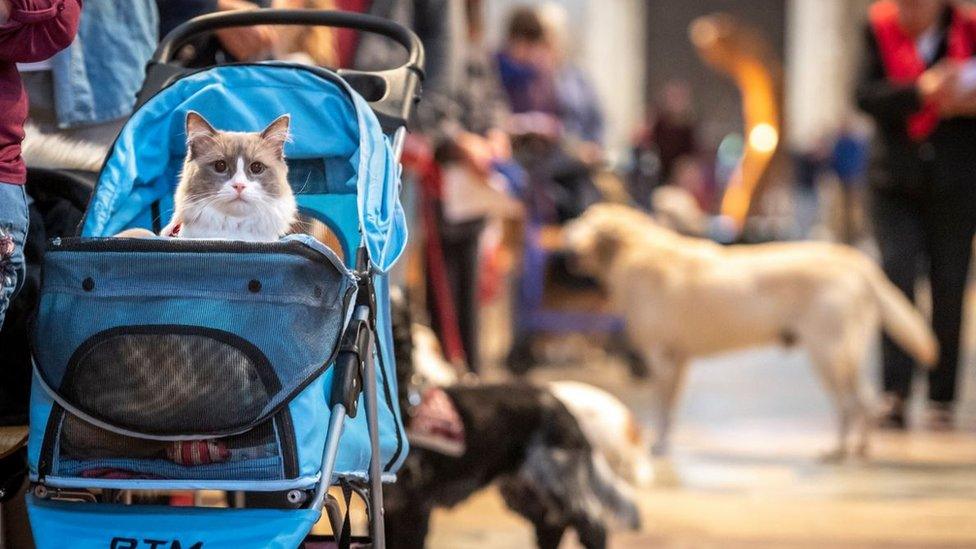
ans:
(509, 140)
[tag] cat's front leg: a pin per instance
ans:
(136, 233)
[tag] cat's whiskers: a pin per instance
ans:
(308, 177)
(201, 203)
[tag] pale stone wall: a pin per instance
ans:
(823, 45)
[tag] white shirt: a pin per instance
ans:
(35, 67)
(928, 44)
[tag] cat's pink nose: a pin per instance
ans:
(239, 187)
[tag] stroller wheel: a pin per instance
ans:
(521, 358)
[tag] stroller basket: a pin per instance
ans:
(176, 359)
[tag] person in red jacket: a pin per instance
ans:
(30, 31)
(918, 84)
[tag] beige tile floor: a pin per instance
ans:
(745, 470)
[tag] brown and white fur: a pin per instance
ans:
(609, 426)
(234, 185)
(684, 297)
(518, 437)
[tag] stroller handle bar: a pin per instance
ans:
(391, 92)
(244, 18)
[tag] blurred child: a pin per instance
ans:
(30, 31)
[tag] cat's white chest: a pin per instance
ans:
(213, 224)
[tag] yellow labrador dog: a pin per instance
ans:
(684, 297)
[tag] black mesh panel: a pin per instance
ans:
(82, 441)
(169, 383)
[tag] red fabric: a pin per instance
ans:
(901, 59)
(111, 473)
(36, 30)
(348, 39)
(197, 452)
(418, 158)
(436, 425)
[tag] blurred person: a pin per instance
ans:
(250, 43)
(558, 162)
(643, 173)
(667, 134)
(30, 32)
(87, 92)
(675, 208)
(848, 160)
(578, 105)
(313, 45)
(521, 64)
(808, 168)
(540, 79)
(439, 25)
(473, 153)
(673, 128)
(689, 174)
(917, 84)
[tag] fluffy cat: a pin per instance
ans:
(234, 185)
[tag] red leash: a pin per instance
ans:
(418, 158)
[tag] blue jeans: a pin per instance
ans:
(13, 232)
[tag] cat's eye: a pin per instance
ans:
(220, 166)
(256, 167)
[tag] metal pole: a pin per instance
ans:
(336, 422)
(377, 524)
(399, 137)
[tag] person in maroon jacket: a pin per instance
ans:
(30, 31)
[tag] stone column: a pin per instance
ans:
(823, 44)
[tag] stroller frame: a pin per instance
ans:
(355, 371)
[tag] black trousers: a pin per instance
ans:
(929, 234)
(460, 243)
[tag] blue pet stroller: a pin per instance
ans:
(169, 364)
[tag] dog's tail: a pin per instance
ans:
(610, 427)
(903, 322)
(614, 493)
(577, 481)
(55, 152)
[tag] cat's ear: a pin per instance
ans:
(276, 134)
(197, 131)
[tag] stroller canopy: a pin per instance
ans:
(337, 151)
